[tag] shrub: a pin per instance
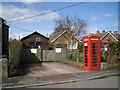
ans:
(81, 57)
(14, 57)
(113, 52)
(103, 57)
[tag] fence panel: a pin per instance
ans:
(51, 55)
(62, 55)
(48, 55)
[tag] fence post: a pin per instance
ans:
(4, 67)
(77, 56)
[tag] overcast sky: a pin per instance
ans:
(99, 16)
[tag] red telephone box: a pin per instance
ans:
(91, 52)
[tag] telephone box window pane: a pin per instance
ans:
(94, 38)
(95, 46)
(94, 43)
(86, 65)
(94, 65)
(85, 55)
(86, 39)
(95, 50)
(86, 49)
(94, 58)
(94, 54)
(85, 52)
(86, 61)
(94, 62)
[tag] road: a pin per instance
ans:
(110, 82)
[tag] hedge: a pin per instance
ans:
(15, 48)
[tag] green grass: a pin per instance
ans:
(113, 66)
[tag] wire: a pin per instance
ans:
(46, 12)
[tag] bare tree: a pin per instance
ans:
(75, 25)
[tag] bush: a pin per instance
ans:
(15, 48)
(81, 57)
(103, 57)
(113, 52)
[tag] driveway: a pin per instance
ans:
(52, 68)
(48, 73)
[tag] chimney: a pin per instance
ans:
(97, 32)
(103, 31)
(19, 38)
(109, 31)
(115, 32)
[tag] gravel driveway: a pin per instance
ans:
(52, 68)
(40, 73)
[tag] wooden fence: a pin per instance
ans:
(52, 55)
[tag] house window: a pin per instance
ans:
(31, 44)
(74, 46)
(38, 39)
(57, 42)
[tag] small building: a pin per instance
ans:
(105, 37)
(64, 39)
(36, 40)
(4, 38)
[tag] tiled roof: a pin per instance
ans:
(100, 34)
(33, 34)
(117, 36)
(54, 35)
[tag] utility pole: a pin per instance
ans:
(71, 46)
(47, 35)
(77, 54)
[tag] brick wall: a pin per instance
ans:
(44, 43)
(64, 39)
(105, 39)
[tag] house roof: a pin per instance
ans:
(117, 36)
(104, 34)
(100, 34)
(2, 19)
(55, 36)
(33, 34)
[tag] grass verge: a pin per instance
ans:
(113, 66)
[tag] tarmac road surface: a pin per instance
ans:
(110, 82)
